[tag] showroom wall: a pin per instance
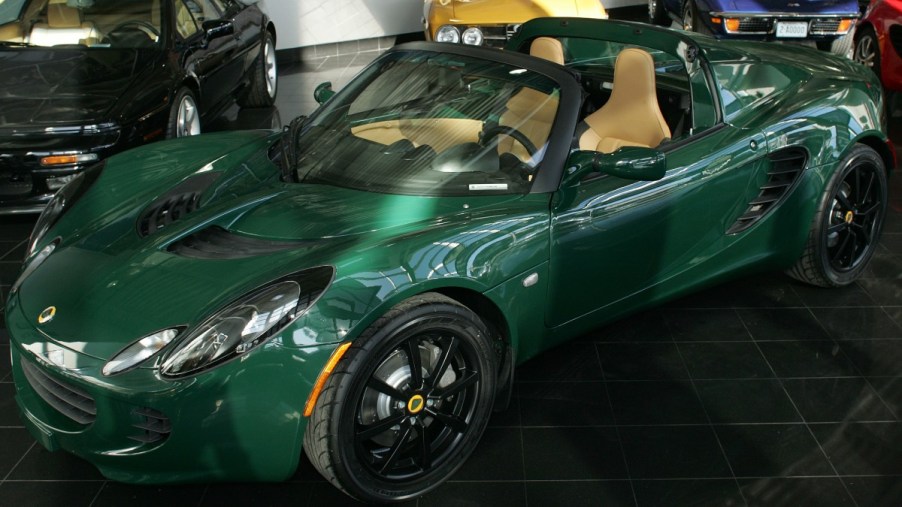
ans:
(302, 23)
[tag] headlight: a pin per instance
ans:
(472, 36)
(140, 351)
(247, 323)
(447, 33)
(33, 264)
(60, 203)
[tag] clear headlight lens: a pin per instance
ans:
(447, 33)
(33, 264)
(247, 323)
(472, 36)
(138, 352)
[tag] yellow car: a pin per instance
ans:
(493, 22)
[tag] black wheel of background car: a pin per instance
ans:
(867, 49)
(264, 79)
(656, 13)
(184, 117)
(493, 132)
(691, 21)
(847, 225)
(407, 403)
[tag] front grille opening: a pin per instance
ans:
(68, 400)
(825, 26)
(152, 425)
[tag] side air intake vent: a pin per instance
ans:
(153, 425)
(218, 243)
(786, 166)
(174, 204)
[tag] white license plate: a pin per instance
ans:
(792, 29)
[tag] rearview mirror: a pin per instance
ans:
(323, 92)
(629, 162)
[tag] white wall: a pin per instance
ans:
(302, 23)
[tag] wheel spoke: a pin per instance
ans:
(378, 385)
(396, 449)
(425, 450)
(377, 428)
(874, 207)
(452, 421)
(861, 233)
(844, 201)
(443, 362)
(867, 190)
(836, 229)
(458, 386)
(842, 248)
(858, 185)
(412, 347)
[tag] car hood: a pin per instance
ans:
(511, 11)
(46, 86)
(795, 6)
(111, 286)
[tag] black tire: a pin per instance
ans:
(691, 20)
(184, 115)
(657, 14)
(263, 79)
(847, 225)
(842, 45)
(867, 49)
(381, 435)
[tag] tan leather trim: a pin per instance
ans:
(547, 48)
(532, 113)
(439, 133)
(60, 15)
(631, 116)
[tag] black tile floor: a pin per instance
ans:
(760, 392)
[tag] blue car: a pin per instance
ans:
(819, 21)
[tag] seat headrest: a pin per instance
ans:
(60, 15)
(547, 48)
(634, 76)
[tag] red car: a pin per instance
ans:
(878, 41)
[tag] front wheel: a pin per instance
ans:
(867, 49)
(184, 117)
(407, 403)
(691, 20)
(656, 13)
(847, 225)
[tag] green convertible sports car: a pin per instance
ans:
(362, 286)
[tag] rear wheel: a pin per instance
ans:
(264, 79)
(846, 228)
(407, 403)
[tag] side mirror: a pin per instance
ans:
(216, 28)
(629, 162)
(323, 92)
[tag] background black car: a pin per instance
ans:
(83, 79)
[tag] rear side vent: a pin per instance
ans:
(218, 243)
(786, 166)
(181, 200)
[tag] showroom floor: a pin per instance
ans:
(763, 391)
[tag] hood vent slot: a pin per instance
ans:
(218, 243)
(175, 204)
(786, 166)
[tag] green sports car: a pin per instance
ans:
(362, 285)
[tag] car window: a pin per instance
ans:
(185, 23)
(9, 10)
(424, 123)
(204, 10)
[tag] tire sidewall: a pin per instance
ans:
(353, 475)
(172, 125)
(267, 41)
(859, 155)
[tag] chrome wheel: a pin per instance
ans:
(188, 119)
(688, 17)
(652, 10)
(866, 51)
(269, 62)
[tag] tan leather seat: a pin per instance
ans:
(531, 111)
(631, 116)
(64, 26)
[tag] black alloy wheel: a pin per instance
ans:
(847, 225)
(408, 402)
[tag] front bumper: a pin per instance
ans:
(763, 26)
(240, 421)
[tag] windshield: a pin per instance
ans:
(424, 123)
(84, 23)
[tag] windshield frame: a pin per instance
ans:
(551, 169)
